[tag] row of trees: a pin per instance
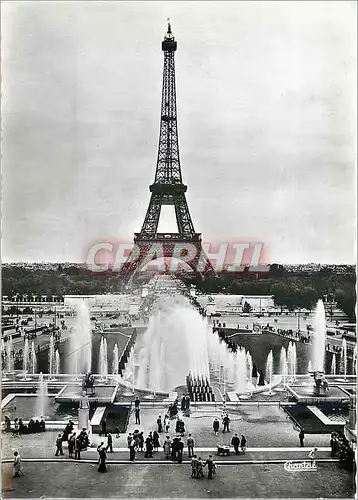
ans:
(291, 291)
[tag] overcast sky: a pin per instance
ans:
(266, 118)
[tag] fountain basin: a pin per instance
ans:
(306, 394)
(103, 394)
(25, 406)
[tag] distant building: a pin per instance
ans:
(234, 304)
(110, 302)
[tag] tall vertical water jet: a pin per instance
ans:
(249, 366)
(42, 397)
(355, 360)
(294, 361)
(115, 361)
(103, 359)
(51, 357)
(319, 338)
(57, 362)
(240, 379)
(283, 364)
(334, 365)
(10, 357)
(25, 360)
(343, 360)
(33, 358)
(79, 359)
(269, 370)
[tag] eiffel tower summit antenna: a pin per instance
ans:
(168, 189)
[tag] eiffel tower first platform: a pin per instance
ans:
(168, 189)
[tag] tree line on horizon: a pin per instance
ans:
(289, 290)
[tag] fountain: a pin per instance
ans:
(51, 357)
(241, 371)
(10, 358)
(115, 362)
(169, 349)
(249, 365)
(343, 360)
(57, 362)
(80, 341)
(103, 359)
(25, 359)
(42, 397)
(320, 392)
(269, 372)
(291, 360)
(319, 339)
(333, 365)
(294, 361)
(33, 358)
(283, 367)
(129, 372)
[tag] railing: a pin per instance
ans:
(168, 236)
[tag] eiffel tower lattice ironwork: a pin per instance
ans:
(168, 189)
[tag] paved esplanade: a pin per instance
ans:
(260, 472)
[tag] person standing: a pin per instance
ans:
(333, 443)
(99, 447)
(211, 466)
(136, 439)
(71, 444)
(132, 451)
(216, 425)
(235, 442)
(301, 436)
(149, 447)
(160, 424)
(109, 443)
(226, 422)
(243, 444)
(141, 441)
(59, 449)
(180, 450)
(137, 415)
(17, 464)
(167, 447)
(78, 448)
(136, 402)
(129, 439)
(102, 467)
(190, 443)
(175, 448)
(156, 442)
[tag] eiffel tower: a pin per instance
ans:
(168, 189)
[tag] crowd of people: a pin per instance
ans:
(340, 448)
(33, 426)
(76, 442)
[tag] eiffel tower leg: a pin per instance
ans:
(185, 224)
(151, 221)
